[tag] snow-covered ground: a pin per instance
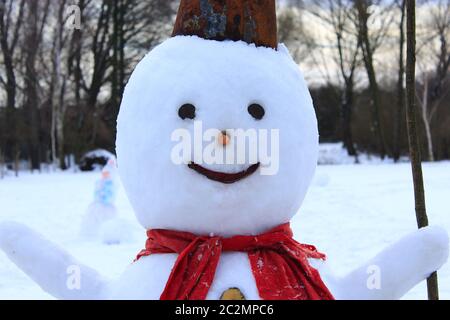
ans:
(351, 212)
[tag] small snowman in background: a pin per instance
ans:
(102, 218)
(105, 188)
(103, 208)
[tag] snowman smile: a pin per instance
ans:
(223, 177)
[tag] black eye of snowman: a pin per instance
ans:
(187, 111)
(256, 111)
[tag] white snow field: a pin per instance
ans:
(351, 212)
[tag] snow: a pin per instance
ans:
(334, 153)
(54, 205)
(99, 153)
(351, 213)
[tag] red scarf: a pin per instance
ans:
(279, 264)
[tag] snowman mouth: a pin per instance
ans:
(223, 177)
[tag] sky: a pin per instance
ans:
(321, 67)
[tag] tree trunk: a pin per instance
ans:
(426, 119)
(31, 85)
(429, 138)
(101, 49)
(2, 164)
(398, 121)
(363, 31)
(414, 146)
(74, 60)
(347, 106)
(53, 134)
(7, 46)
(60, 136)
(16, 161)
(58, 94)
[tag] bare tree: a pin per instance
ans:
(101, 47)
(136, 24)
(426, 117)
(414, 146)
(336, 14)
(115, 29)
(368, 50)
(11, 17)
(398, 119)
(57, 87)
(2, 164)
(74, 59)
(63, 86)
(292, 31)
(36, 18)
(433, 87)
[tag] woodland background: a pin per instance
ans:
(61, 79)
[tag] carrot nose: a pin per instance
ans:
(223, 139)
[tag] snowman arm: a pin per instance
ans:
(54, 270)
(397, 269)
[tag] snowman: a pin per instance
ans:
(102, 208)
(221, 230)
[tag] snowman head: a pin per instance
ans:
(190, 106)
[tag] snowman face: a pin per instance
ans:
(209, 93)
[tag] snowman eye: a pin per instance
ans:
(187, 111)
(256, 111)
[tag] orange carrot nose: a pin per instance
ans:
(223, 138)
